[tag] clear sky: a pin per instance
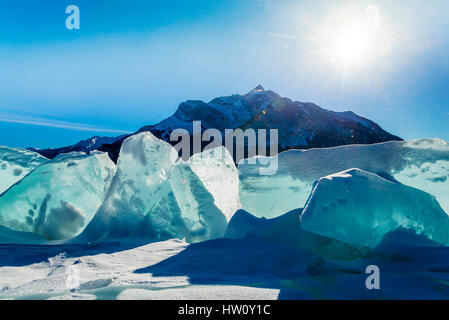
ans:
(132, 62)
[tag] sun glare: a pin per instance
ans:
(352, 38)
(351, 45)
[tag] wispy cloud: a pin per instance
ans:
(281, 35)
(60, 124)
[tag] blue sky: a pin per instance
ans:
(133, 62)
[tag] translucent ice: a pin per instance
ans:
(422, 164)
(59, 197)
(359, 207)
(217, 171)
(154, 194)
(287, 229)
(8, 236)
(15, 164)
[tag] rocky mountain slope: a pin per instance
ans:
(301, 125)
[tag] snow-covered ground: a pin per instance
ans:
(250, 268)
(169, 269)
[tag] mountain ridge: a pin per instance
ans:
(301, 125)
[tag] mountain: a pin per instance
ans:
(301, 125)
(85, 146)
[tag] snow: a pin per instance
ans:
(359, 207)
(58, 198)
(96, 142)
(201, 293)
(411, 268)
(16, 164)
(118, 270)
(422, 164)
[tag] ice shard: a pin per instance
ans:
(217, 171)
(287, 229)
(360, 207)
(422, 164)
(58, 198)
(155, 194)
(16, 164)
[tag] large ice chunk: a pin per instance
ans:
(359, 207)
(15, 164)
(217, 171)
(8, 236)
(154, 194)
(287, 229)
(422, 164)
(59, 197)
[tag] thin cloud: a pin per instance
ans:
(61, 125)
(281, 35)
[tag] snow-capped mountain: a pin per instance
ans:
(301, 125)
(85, 146)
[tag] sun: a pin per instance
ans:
(351, 38)
(351, 46)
